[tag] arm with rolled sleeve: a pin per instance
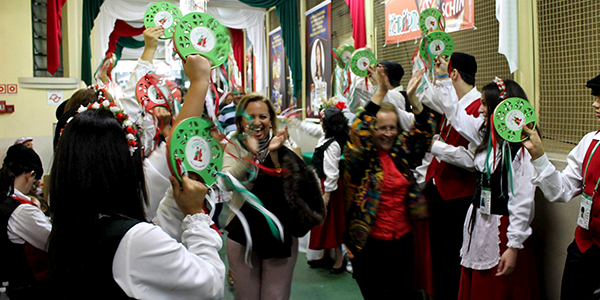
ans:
(311, 128)
(331, 167)
(562, 186)
(29, 224)
(149, 264)
(521, 203)
(458, 156)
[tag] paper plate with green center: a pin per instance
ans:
(510, 116)
(361, 60)
(165, 15)
(200, 33)
(344, 52)
(430, 20)
(434, 44)
(193, 150)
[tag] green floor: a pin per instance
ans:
(308, 283)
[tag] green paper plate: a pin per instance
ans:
(163, 14)
(192, 148)
(344, 52)
(200, 33)
(360, 61)
(510, 116)
(430, 20)
(434, 44)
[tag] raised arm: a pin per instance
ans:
(197, 69)
(557, 186)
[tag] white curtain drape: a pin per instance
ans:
(254, 22)
(508, 36)
(110, 11)
(250, 19)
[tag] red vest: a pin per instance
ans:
(586, 238)
(451, 181)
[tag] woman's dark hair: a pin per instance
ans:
(93, 174)
(8, 173)
(83, 97)
(491, 98)
(335, 125)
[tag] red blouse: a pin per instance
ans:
(392, 219)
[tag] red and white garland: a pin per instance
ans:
(128, 125)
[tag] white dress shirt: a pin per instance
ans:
(134, 109)
(443, 99)
(484, 251)
(150, 264)
(331, 164)
(28, 224)
(156, 170)
(563, 186)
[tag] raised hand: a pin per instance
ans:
(151, 42)
(533, 144)
(411, 91)
(189, 195)
(441, 65)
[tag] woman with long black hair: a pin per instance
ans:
(100, 246)
(497, 225)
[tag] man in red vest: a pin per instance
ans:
(449, 189)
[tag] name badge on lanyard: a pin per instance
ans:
(485, 204)
(585, 206)
(585, 209)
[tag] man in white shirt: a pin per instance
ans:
(392, 74)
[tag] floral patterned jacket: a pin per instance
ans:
(363, 175)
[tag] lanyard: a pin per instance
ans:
(586, 168)
(506, 155)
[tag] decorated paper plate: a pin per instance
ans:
(200, 33)
(430, 20)
(150, 93)
(165, 15)
(360, 61)
(510, 116)
(344, 52)
(192, 149)
(434, 44)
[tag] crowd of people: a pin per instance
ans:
(416, 171)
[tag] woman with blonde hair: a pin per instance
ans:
(285, 186)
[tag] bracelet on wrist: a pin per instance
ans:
(443, 76)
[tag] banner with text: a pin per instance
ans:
(278, 69)
(318, 57)
(402, 17)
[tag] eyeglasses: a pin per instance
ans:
(385, 129)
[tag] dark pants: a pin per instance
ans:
(581, 276)
(384, 269)
(446, 234)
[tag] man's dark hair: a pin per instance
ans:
(394, 72)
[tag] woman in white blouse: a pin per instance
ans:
(100, 246)
(498, 222)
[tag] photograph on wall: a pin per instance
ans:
(318, 57)
(277, 69)
(250, 67)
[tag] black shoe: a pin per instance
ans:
(325, 263)
(340, 269)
